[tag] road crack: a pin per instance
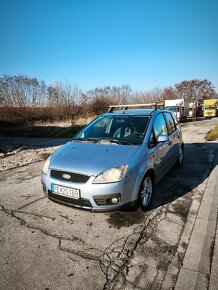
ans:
(115, 264)
(34, 214)
(13, 213)
(32, 202)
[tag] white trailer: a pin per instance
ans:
(191, 109)
(176, 106)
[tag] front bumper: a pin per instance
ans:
(94, 197)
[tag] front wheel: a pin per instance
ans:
(146, 192)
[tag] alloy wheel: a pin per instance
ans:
(146, 191)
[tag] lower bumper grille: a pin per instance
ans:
(84, 203)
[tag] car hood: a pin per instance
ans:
(91, 158)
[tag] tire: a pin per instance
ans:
(146, 192)
(180, 159)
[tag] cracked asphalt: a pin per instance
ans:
(46, 245)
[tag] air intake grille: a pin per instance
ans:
(74, 177)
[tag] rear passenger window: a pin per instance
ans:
(170, 123)
(175, 121)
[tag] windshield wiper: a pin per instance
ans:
(76, 139)
(109, 141)
(123, 142)
(94, 140)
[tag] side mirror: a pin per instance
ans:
(163, 138)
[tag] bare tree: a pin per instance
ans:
(150, 96)
(63, 93)
(169, 94)
(22, 90)
(195, 90)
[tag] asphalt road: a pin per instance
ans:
(40, 142)
(45, 245)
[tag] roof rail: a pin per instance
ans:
(154, 106)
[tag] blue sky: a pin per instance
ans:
(95, 43)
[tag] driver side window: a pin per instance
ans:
(159, 128)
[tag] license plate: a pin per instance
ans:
(65, 191)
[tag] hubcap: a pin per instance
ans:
(146, 191)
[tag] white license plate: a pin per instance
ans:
(65, 191)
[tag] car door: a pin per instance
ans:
(158, 151)
(174, 142)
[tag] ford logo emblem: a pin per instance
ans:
(66, 176)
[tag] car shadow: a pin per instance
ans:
(198, 163)
(179, 182)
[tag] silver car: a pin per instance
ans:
(115, 161)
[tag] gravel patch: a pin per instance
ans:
(12, 157)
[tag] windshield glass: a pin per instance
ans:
(115, 129)
(209, 107)
(171, 108)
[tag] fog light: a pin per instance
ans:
(114, 200)
(110, 199)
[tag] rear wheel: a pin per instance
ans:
(146, 192)
(181, 157)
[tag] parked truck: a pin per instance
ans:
(176, 106)
(195, 110)
(211, 108)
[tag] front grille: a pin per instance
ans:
(74, 177)
(82, 202)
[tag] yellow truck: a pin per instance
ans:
(211, 108)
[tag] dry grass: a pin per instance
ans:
(80, 121)
(61, 124)
(212, 135)
(57, 121)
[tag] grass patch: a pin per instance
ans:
(212, 135)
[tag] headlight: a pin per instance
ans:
(46, 166)
(112, 175)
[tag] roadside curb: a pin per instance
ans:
(196, 269)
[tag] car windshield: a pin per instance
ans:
(209, 107)
(171, 108)
(115, 129)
